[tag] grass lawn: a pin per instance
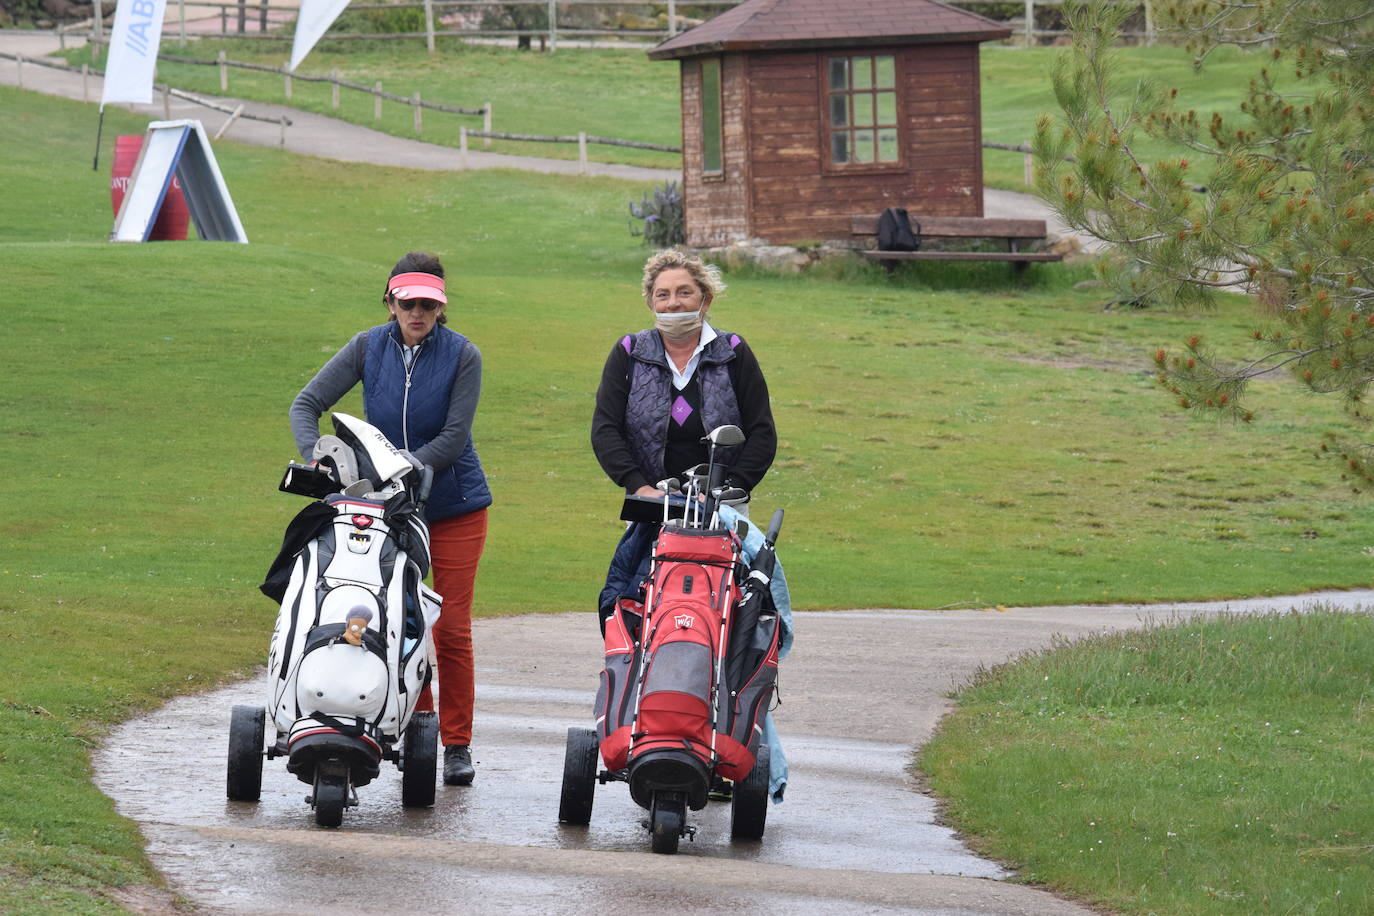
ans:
(1218, 767)
(951, 437)
(638, 98)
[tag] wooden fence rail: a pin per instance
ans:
(167, 92)
(223, 62)
(549, 33)
(580, 138)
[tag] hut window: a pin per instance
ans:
(861, 109)
(710, 116)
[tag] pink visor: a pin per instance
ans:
(417, 286)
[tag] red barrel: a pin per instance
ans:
(173, 218)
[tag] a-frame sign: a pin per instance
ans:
(177, 148)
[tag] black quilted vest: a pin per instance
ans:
(648, 407)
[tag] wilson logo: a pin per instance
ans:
(683, 621)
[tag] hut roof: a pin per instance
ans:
(792, 24)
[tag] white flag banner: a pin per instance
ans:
(314, 18)
(134, 42)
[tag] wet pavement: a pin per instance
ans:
(861, 690)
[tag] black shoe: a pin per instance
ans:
(721, 789)
(458, 769)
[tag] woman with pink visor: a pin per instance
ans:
(421, 382)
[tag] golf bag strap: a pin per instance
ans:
(353, 731)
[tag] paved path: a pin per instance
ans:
(860, 691)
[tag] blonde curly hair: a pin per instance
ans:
(707, 276)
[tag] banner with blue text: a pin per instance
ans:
(134, 41)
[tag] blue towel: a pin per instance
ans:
(777, 760)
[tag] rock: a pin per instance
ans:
(1066, 245)
(782, 259)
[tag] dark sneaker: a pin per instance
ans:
(458, 769)
(721, 789)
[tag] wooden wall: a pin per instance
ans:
(784, 192)
(717, 207)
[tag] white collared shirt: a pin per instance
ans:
(680, 379)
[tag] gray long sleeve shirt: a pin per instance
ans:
(345, 369)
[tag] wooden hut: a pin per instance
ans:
(798, 114)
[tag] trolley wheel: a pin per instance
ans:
(666, 821)
(419, 760)
(331, 794)
(579, 777)
(244, 777)
(749, 806)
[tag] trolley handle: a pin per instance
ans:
(774, 527)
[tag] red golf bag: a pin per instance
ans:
(666, 712)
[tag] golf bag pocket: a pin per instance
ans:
(750, 698)
(431, 605)
(339, 679)
(675, 700)
(615, 697)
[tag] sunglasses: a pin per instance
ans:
(406, 305)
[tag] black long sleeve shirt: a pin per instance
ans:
(684, 448)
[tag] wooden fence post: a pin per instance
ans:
(377, 102)
(19, 68)
(416, 102)
(429, 26)
(553, 26)
(229, 123)
(181, 14)
(1030, 23)
(334, 88)
(582, 152)
(223, 74)
(224, 20)
(85, 82)
(262, 17)
(61, 38)
(1149, 23)
(283, 131)
(243, 16)
(486, 123)
(672, 18)
(287, 86)
(463, 148)
(98, 27)
(1029, 167)
(167, 102)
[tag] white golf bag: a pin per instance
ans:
(350, 654)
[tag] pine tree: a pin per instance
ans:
(1279, 201)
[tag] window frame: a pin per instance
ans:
(824, 94)
(719, 66)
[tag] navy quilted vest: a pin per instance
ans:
(410, 422)
(650, 400)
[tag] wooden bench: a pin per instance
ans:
(1013, 233)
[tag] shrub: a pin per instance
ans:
(380, 21)
(662, 215)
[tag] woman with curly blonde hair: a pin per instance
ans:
(665, 387)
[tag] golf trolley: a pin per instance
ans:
(689, 671)
(349, 658)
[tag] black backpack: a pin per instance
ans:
(895, 232)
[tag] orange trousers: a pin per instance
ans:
(455, 546)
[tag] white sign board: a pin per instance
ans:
(177, 149)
